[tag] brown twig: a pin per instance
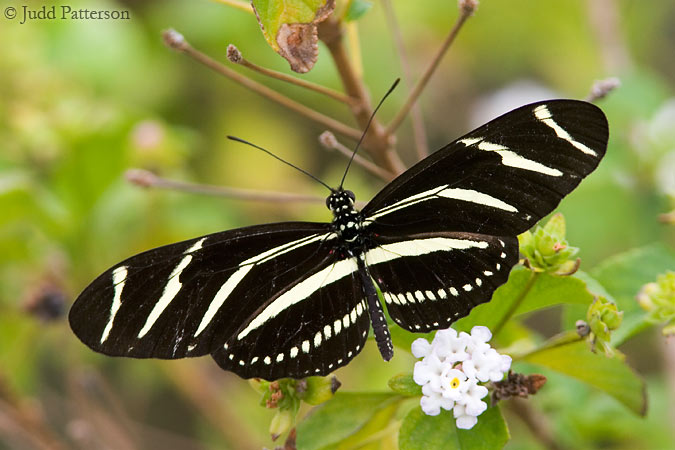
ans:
(377, 141)
(466, 10)
(602, 88)
(235, 56)
(329, 141)
(419, 133)
(147, 179)
(176, 41)
(535, 422)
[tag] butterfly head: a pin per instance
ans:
(340, 200)
(346, 219)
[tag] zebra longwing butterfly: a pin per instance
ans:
(295, 299)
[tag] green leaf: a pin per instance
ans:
(404, 384)
(610, 375)
(289, 27)
(624, 275)
(545, 291)
(419, 431)
(343, 417)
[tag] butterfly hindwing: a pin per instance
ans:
(501, 178)
(431, 280)
(313, 328)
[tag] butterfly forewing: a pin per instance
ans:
(501, 178)
(186, 299)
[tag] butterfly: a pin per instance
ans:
(296, 299)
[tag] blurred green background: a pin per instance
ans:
(82, 101)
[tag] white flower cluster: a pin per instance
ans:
(451, 368)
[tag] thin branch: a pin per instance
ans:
(466, 10)
(602, 88)
(535, 421)
(419, 133)
(176, 41)
(242, 6)
(379, 144)
(235, 56)
(354, 43)
(329, 141)
(147, 179)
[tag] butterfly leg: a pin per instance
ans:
(377, 318)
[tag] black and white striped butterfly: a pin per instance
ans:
(295, 299)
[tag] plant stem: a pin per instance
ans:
(419, 134)
(148, 179)
(378, 142)
(465, 13)
(328, 140)
(517, 302)
(235, 56)
(176, 41)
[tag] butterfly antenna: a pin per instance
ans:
(234, 138)
(393, 86)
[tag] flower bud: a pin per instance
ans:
(319, 389)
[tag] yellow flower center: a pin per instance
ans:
(454, 383)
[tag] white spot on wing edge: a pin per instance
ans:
(119, 277)
(542, 113)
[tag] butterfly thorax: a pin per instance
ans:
(346, 219)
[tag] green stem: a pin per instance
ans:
(514, 306)
(565, 338)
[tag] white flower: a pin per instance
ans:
(452, 365)
(429, 370)
(471, 400)
(450, 347)
(453, 384)
(476, 342)
(479, 366)
(462, 420)
(432, 401)
(502, 365)
(421, 348)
